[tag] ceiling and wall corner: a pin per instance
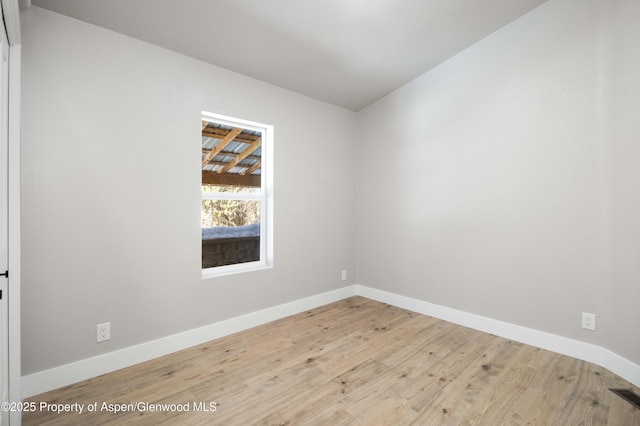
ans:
(348, 53)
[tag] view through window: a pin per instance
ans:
(236, 205)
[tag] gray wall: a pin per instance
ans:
(506, 182)
(111, 198)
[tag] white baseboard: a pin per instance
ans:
(43, 381)
(562, 345)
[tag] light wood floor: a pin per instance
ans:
(354, 362)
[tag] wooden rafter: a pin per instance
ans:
(249, 168)
(242, 155)
(232, 154)
(220, 146)
(252, 169)
(204, 124)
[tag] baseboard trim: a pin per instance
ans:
(562, 345)
(44, 381)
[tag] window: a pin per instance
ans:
(237, 195)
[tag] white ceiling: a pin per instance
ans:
(345, 52)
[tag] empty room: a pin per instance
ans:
(324, 212)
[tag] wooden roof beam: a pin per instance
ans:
(221, 133)
(231, 179)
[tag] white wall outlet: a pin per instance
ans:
(589, 321)
(344, 275)
(103, 332)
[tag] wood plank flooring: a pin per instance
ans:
(356, 362)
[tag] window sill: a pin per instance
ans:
(220, 271)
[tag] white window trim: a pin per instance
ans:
(265, 197)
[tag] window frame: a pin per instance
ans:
(264, 196)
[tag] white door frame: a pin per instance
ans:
(10, 9)
(15, 369)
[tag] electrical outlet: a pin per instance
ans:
(103, 332)
(589, 321)
(344, 275)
